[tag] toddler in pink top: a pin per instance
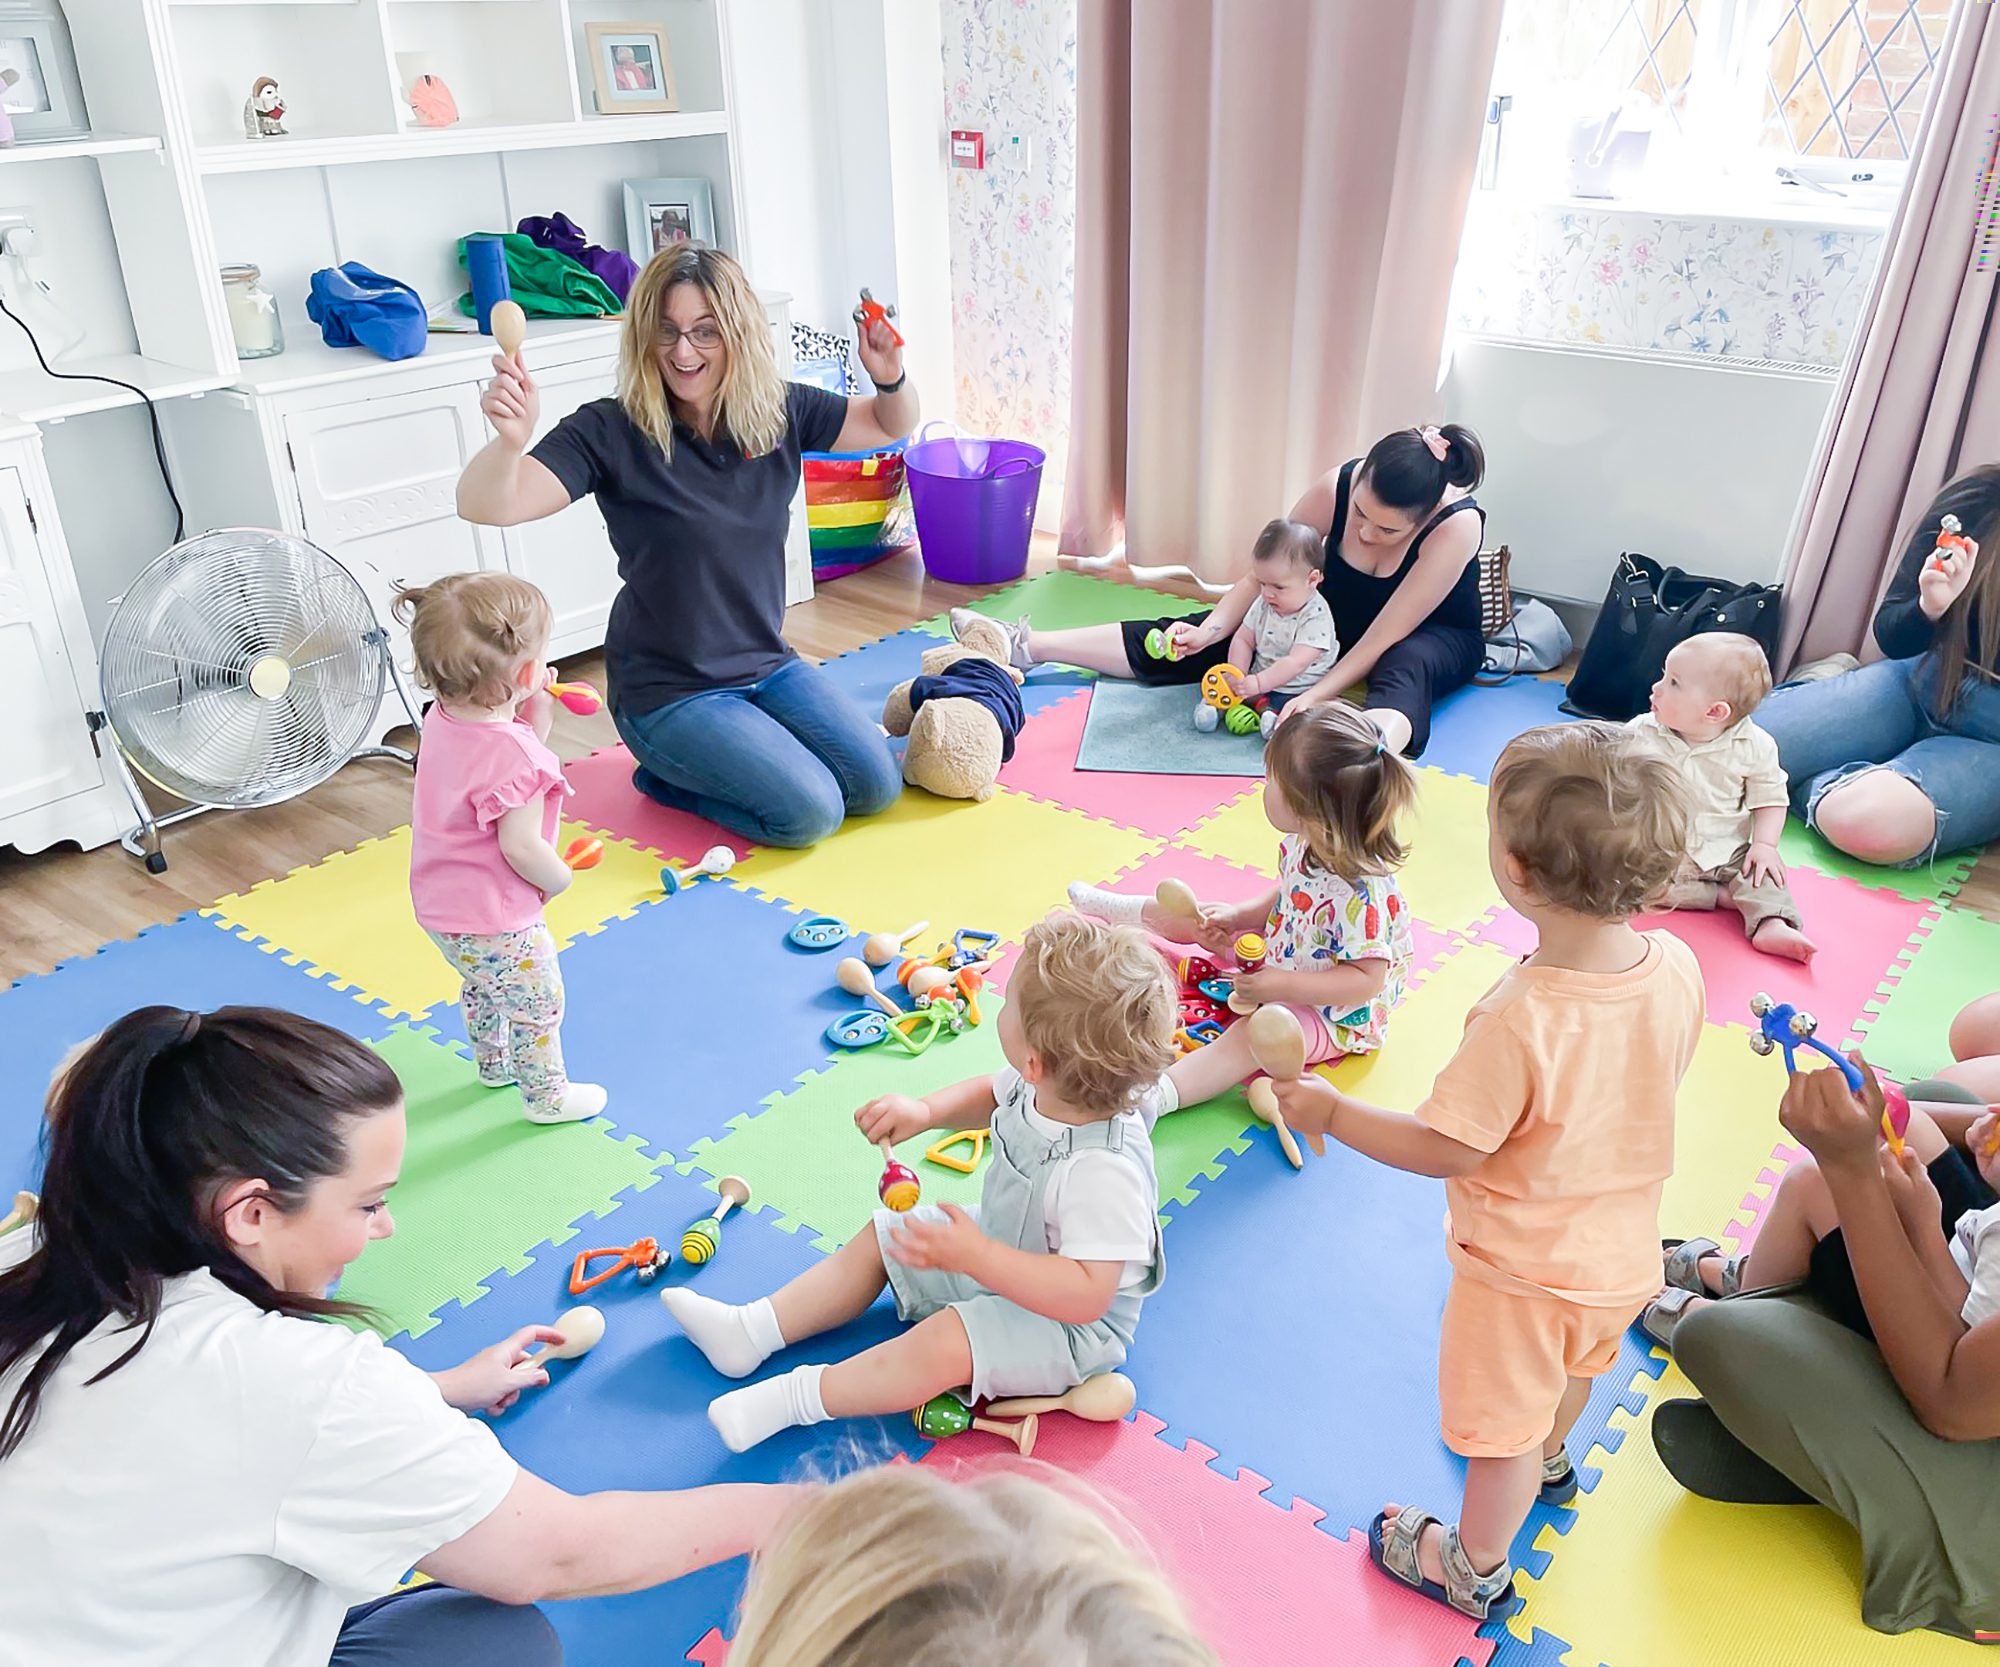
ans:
(482, 854)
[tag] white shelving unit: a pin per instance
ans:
(785, 108)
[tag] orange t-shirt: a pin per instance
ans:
(1568, 1079)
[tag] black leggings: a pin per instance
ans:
(1409, 676)
(1830, 1276)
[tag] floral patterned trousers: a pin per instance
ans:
(513, 1007)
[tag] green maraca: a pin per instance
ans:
(703, 1237)
(944, 1416)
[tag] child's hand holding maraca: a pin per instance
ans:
(1219, 929)
(1310, 1105)
(1842, 1129)
(1982, 1140)
(892, 1117)
(954, 1244)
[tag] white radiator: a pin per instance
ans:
(1697, 462)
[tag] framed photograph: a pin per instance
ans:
(662, 212)
(39, 88)
(634, 74)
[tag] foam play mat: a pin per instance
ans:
(1286, 1371)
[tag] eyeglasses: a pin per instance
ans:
(707, 337)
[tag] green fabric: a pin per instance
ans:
(1907, 1035)
(1816, 1400)
(1801, 847)
(1059, 600)
(547, 284)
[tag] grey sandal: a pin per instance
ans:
(1661, 1317)
(1683, 1258)
(1392, 1547)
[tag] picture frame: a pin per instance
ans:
(44, 98)
(632, 68)
(662, 212)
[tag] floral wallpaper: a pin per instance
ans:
(1010, 67)
(1613, 278)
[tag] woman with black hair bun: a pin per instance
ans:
(1399, 571)
(195, 1466)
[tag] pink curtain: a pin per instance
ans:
(1269, 200)
(1920, 399)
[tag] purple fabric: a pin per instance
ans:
(562, 234)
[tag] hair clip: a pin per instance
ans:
(1433, 437)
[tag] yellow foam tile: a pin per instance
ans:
(1725, 1127)
(1651, 1576)
(350, 921)
(1423, 1032)
(998, 866)
(1447, 879)
(1239, 832)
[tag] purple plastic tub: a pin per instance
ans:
(975, 506)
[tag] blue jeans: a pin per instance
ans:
(783, 761)
(1881, 717)
(439, 1626)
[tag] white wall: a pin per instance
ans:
(1590, 453)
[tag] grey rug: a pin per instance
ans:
(1145, 729)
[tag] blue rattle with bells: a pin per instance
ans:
(1781, 1026)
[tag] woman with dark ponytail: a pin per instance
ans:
(194, 1465)
(1399, 573)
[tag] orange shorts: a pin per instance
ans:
(1505, 1358)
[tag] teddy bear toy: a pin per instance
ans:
(961, 715)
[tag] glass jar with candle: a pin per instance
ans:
(253, 313)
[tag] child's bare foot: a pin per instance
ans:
(1777, 937)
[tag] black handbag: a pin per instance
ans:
(1647, 610)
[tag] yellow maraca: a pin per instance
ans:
(704, 1237)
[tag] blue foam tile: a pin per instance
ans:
(691, 1010)
(1471, 727)
(190, 962)
(870, 672)
(633, 1412)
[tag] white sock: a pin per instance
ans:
(745, 1417)
(736, 1339)
(1120, 908)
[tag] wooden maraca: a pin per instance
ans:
(1279, 1047)
(510, 326)
(878, 949)
(852, 975)
(26, 1207)
(899, 1187)
(582, 1328)
(944, 1416)
(1177, 898)
(702, 1239)
(584, 853)
(580, 698)
(1103, 1399)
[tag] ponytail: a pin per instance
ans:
(146, 1126)
(1406, 472)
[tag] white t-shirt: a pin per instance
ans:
(223, 1498)
(1278, 634)
(1975, 1247)
(1097, 1206)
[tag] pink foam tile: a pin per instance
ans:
(1261, 1581)
(606, 799)
(1044, 765)
(1430, 947)
(1504, 929)
(1861, 933)
(1756, 1205)
(711, 1650)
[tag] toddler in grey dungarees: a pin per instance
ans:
(1040, 1287)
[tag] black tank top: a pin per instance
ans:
(1356, 597)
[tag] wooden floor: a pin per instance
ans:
(64, 902)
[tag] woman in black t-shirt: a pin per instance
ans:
(1400, 573)
(694, 466)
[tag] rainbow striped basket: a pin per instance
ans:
(857, 509)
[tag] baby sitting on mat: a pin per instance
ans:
(1701, 722)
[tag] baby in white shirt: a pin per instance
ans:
(1287, 638)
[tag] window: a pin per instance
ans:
(1831, 90)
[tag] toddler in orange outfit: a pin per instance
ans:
(1553, 1128)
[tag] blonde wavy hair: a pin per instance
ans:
(898, 1567)
(751, 406)
(1096, 1004)
(1597, 819)
(471, 632)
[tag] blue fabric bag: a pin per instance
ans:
(355, 307)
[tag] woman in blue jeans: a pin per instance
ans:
(694, 466)
(1899, 762)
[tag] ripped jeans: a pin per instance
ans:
(1881, 717)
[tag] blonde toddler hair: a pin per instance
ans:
(1348, 790)
(471, 632)
(1729, 666)
(1096, 1003)
(1597, 819)
(899, 1567)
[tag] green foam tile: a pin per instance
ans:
(1904, 1032)
(480, 1188)
(1803, 848)
(1059, 600)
